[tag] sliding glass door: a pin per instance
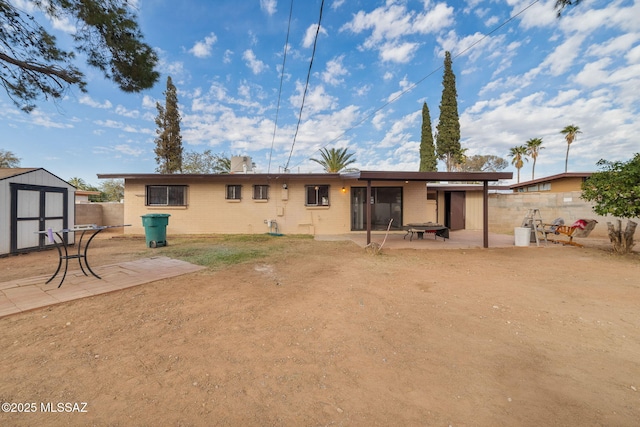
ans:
(386, 205)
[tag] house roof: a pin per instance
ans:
(11, 172)
(227, 177)
(552, 178)
(358, 175)
(432, 176)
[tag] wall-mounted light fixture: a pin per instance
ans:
(344, 190)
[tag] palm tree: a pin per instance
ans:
(534, 145)
(570, 134)
(335, 160)
(79, 183)
(518, 156)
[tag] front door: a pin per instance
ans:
(386, 204)
(36, 208)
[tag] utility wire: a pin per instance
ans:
(284, 60)
(306, 86)
(414, 85)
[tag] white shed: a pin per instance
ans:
(32, 200)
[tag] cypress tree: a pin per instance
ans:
(169, 141)
(428, 160)
(448, 129)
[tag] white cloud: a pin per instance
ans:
(540, 14)
(217, 125)
(404, 85)
(563, 57)
(594, 73)
(402, 130)
(310, 35)
(123, 111)
(227, 56)
(87, 100)
(476, 46)
(334, 71)
(253, 63)
(492, 21)
(174, 69)
(122, 126)
(392, 22)
(148, 102)
(39, 118)
(269, 6)
(202, 48)
(317, 100)
(400, 53)
(433, 20)
(363, 90)
(336, 4)
(378, 121)
(128, 150)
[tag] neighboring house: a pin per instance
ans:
(561, 183)
(82, 196)
(32, 200)
(324, 203)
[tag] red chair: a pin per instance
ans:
(581, 228)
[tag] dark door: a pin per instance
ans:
(454, 210)
(36, 208)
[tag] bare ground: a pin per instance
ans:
(321, 333)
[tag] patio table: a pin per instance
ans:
(62, 245)
(420, 228)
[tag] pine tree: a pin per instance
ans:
(33, 64)
(428, 160)
(448, 129)
(169, 141)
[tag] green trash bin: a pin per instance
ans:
(155, 229)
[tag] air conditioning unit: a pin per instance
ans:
(241, 164)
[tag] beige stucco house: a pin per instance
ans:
(325, 203)
(560, 183)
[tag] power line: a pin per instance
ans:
(306, 86)
(414, 85)
(284, 60)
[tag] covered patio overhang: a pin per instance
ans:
(463, 177)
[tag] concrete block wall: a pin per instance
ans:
(100, 213)
(112, 213)
(506, 211)
(88, 213)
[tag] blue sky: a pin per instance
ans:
(529, 78)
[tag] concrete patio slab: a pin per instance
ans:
(30, 293)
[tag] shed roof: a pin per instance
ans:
(11, 172)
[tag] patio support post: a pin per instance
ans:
(485, 214)
(368, 204)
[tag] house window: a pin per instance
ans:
(166, 195)
(234, 192)
(317, 195)
(261, 192)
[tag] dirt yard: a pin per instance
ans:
(320, 333)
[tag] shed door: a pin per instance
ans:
(36, 208)
(455, 209)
